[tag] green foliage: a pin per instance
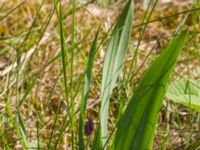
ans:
(113, 62)
(55, 123)
(185, 92)
(22, 126)
(137, 125)
(88, 76)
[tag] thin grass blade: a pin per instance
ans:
(22, 126)
(88, 76)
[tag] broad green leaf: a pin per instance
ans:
(137, 125)
(113, 62)
(186, 92)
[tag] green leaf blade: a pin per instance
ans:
(185, 92)
(113, 62)
(137, 125)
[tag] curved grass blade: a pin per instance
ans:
(137, 125)
(113, 62)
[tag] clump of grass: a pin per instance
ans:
(55, 94)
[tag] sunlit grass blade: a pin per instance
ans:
(136, 126)
(88, 76)
(64, 55)
(146, 18)
(114, 60)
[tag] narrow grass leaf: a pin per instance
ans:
(64, 55)
(22, 126)
(12, 10)
(137, 125)
(88, 76)
(114, 60)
